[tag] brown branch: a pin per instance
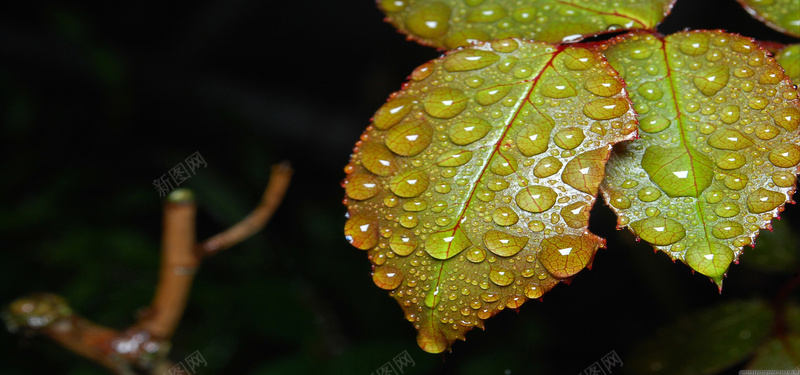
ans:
(178, 266)
(145, 344)
(252, 223)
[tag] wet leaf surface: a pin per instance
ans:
(719, 147)
(472, 187)
(454, 23)
(781, 15)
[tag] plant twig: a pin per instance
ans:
(144, 345)
(252, 223)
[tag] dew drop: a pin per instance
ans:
(447, 244)
(501, 276)
(403, 242)
(557, 87)
(387, 277)
(445, 102)
(469, 130)
(409, 139)
(361, 231)
(504, 216)
(392, 112)
(569, 138)
(547, 167)
(711, 80)
(565, 255)
(763, 200)
(409, 184)
(606, 108)
(650, 91)
(377, 159)
(503, 244)
(659, 230)
(429, 20)
(476, 255)
(536, 198)
(470, 59)
(361, 186)
(727, 229)
(785, 155)
(654, 123)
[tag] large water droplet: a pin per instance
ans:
(763, 200)
(585, 172)
(503, 165)
(569, 138)
(486, 13)
(576, 215)
(603, 85)
(470, 59)
(361, 186)
(654, 123)
(565, 255)
(785, 156)
(361, 231)
(501, 276)
(503, 244)
(727, 229)
(445, 102)
(650, 91)
(784, 179)
(709, 258)
(377, 159)
(447, 244)
(606, 108)
(387, 277)
(577, 58)
(727, 209)
(476, 255)
(729, 139)
(429, 20)
(787, 118)
(678, 171)
(711, 80)
(392, 112)
(491, 95)
(534, 138)
(504, 216)
(730, 114)
(454, 158)
(536, 198)
(547, 167)
(557, 87)
(403, 242)
(694, 44)
(469, 130)
(659, 230)
(409, 184)
(410, 138)
(731, 160)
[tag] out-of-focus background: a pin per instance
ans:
(97, 101)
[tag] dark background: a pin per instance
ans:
(98, 101)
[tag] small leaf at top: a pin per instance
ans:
(789, 58)
(719, 146)
(781, 15)
(454, 23)
(471, 189)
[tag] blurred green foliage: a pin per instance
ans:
(98, 101)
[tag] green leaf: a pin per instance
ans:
(789, 58)
(778, 354)
(781, 15)
(706, 341)
(471, 189)
(718, 148)
(454, 23)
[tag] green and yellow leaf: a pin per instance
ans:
(781, 15)
(454, 23)
(789, 58)
(719, 146)
(471, 189)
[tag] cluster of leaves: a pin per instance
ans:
(471, 189)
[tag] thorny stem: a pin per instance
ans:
(145, 344)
